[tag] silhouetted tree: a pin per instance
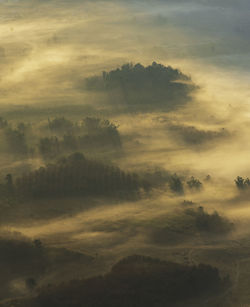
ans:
(194, 136)
(194, 183)
(16, 142)
(242, 183)
(175, 184)
(3, 123)
(30, 283)
(61, 125)
(49, 147)
(9, 186)
(37, 243)
(211, 223)
(95, 133)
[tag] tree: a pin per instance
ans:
(16, 142)
(60, 125)
(176, 185)
(242, 183)
(37, 243)
(49, 147)
(9, 184)
(30, 283)
(3, 123)
(194, 183)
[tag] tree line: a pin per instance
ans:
(77, 176)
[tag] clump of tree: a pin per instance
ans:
(49, 147)
(30, 283)
(15, 138)
(58, 137)
(3, 123)
(194, 183)
(176, 185)
(92, 133)
(157, 176)
(24, 128)
(29, 261)
(193, 136)
(16, 141)
(138, 85)
(60, 125)
(100, 132)
(187, 203)
(7, 191)
(138, 281)
(20, 259)
(78, 176)
(208, 178)
(242, 183)
(210, 223)
(189, 224)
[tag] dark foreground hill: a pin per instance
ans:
(136, 281)
(24, 265)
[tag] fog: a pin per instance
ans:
(155, 179)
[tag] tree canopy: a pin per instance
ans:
(138, 85)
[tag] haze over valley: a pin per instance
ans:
(124, 146)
